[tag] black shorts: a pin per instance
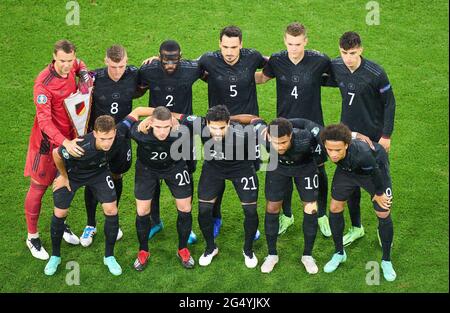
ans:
(120, 161)
(344, 184)
(192, 165)
(101, 185)
(212, 180)
(305, 177)
(176, 177)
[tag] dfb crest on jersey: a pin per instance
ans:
(295, 78)
(78, 107)
(116, 96)
(351, 86)
(233, 79)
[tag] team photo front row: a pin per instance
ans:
(230, 153)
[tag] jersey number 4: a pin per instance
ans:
(294, 92)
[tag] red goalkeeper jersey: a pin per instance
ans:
(51, 124)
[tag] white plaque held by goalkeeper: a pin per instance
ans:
(78, 107)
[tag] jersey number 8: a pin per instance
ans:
(114, 108)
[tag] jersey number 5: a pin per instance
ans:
(233, 91)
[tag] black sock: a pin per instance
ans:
(154, 213)
(337, 229)
(287, 200)
(217, 205)
(142, 230)
(354, 207)
(271, 225)
(118, 185)
(205, 221)
(184, 226)
(111, 229)
(91, 206)
(323, 192)
(250, 227)
(309, 232)
(386, 229)
(57, 232)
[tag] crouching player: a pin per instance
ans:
(295, 148)
(358, 166)
(90, 170)
(229, 155)
(156, 161)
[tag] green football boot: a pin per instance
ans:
(333, 264)
(52, 265)
(324, 226)
(285, 223)
(353, 234)
(388, 270)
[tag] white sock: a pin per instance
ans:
(33, 236)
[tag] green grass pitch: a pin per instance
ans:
(411, 43)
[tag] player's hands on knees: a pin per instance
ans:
(386, 143)
(384, 201)
(73, 148)
(150, 60)
(145, 125)
(366, 140)
(61, 182)
(264, 133)
(85, 82)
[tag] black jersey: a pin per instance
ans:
(299, 155)
(113, 98)
(93, 162)
(171, 90)
(156, 153)
(368, 103)
(299, 85)
(233, 153)
(308, 125)
(233, 85)
(362, 160)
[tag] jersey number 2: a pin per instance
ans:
(170, 103)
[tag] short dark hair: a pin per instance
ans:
(296, 29)
(336, 132)
(162, 113)
(280, 127)
(104, 124)
(64, 45)
(231, 31)
(170, 46)
(218, 113)
(116, 53)
(350, 40)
